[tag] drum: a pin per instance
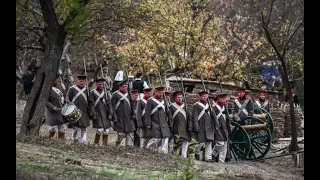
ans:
(71, 113)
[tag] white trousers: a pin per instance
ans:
(184, 148)
(207, 150)
(220, 148)
(198, 147)
(125, 139)
(153, 144)
(104, 132)
(83, 134)
(170, 145)
(60, 128)
(143, 142)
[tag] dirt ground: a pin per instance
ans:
(43, 158)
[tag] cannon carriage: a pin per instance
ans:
(250, 138)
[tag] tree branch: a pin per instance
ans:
(272, 1)
(30, 47)
(19, 77)
(290, 37)
(73, 14)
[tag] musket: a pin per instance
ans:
(210, 106)
(106, 96)
(166, 105)
(184, 94)
(85, 71)
(129, 92)
(149, 80)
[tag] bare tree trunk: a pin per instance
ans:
(36, 103)
(65, 67)
(283, 70)
(67, 74)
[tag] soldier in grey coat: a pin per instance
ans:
(53, 114)
(204, 125)
(157, 122)
(122, 114)
(221, 134)
(101, 111)
(262, 102)
(78, 95)
(243, 106)
(142, 129)
(182, 124)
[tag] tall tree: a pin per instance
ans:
(55, 35)
(282, 22)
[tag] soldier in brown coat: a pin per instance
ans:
(262, 102)
(221, 134)
(134, 101)
(78, 95)
(182, 124)
(122, 114)
(243, 106)
(247, 94)
(157, 122)
(142, 129)
(213, 92)
(102, 110)
(53, 114)
(167, 95)
(204, 125)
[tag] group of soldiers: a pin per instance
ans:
(159, 120)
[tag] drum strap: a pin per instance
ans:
(179, 109)
(258, 103)
(99, 96)
(242, 107)
(263, 105)
(144, 109)
(80, 92)
(123, 97)
(204, 108)
(159, 104)
(221, 112)
(60, 94)
(213, 104)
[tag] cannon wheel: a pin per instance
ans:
(270, 120)
(239, 142)
(260, 140)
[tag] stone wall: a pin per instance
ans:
(194, 86)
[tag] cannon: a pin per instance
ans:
(251, 137)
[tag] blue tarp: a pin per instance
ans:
(268, 71)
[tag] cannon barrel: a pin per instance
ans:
(263, 116)
(255, 127)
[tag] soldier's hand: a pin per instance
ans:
(94, 117)
(55, 109)
(133, 117)
(110, 116)
(148, 127)
(171, 125)
(189, 129)
(67, 101)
